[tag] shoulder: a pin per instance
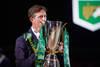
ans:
(20, 38)
(20, 41)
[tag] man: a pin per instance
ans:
(26, 44)
(25, 56)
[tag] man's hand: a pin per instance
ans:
(61, 47)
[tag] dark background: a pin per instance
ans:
(84, 44)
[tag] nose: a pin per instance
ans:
(44, 18)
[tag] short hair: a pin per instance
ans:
(35, 9)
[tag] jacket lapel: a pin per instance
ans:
(33, 35)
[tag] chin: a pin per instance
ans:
(43, 22)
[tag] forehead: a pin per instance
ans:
(42, 12)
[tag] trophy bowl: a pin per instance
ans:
(53, 38)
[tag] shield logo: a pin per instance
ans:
(86, 13)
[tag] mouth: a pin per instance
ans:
(43, 22)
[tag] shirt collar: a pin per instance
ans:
(36, 33)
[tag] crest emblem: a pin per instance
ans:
(86, 13)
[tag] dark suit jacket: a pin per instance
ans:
(24, 56)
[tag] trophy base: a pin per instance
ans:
(51, 61)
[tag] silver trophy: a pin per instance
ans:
(53, 39)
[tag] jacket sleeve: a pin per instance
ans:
(21, 61)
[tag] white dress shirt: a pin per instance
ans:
(37, 34)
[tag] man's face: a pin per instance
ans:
(40, 17)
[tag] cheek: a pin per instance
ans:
(37, 20)
(45, 18)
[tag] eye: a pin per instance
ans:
(45, 15)
(42, 16)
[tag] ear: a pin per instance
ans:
(31, 19)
